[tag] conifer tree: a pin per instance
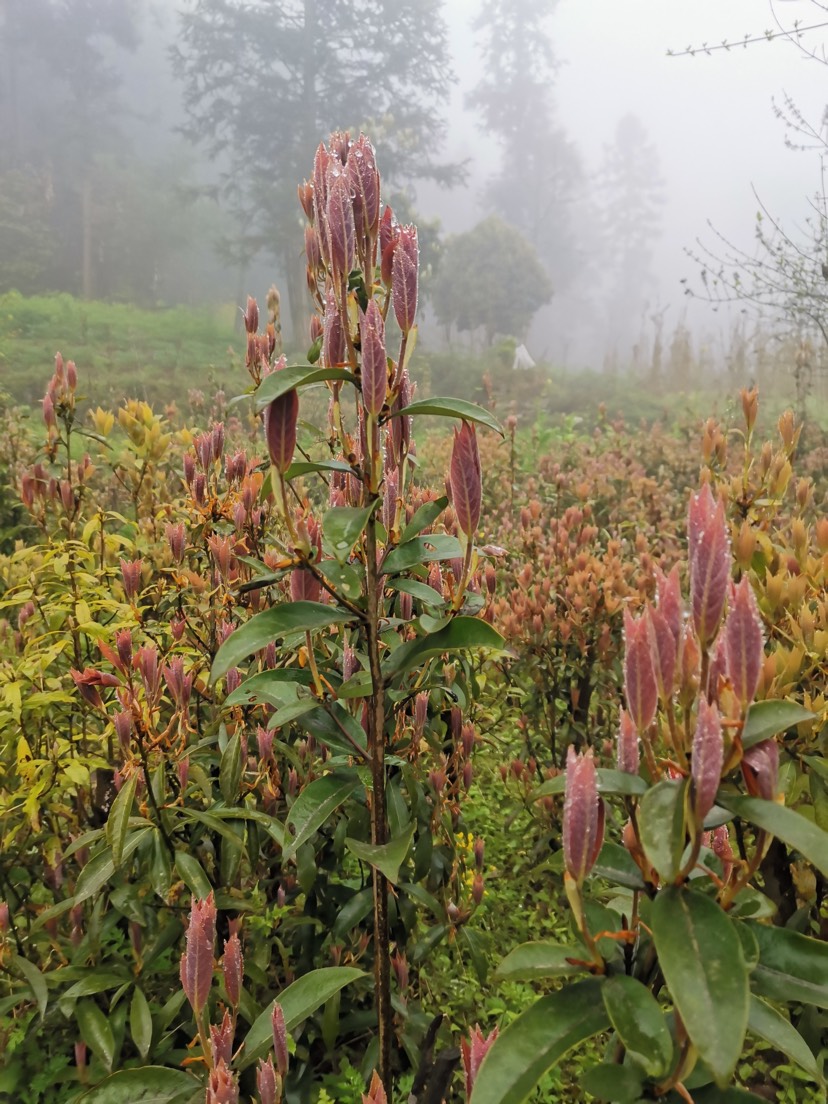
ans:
(263, 80)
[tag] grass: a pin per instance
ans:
(160, 355)
(119, 350)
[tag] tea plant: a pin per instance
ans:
(779, 531)
(670, 945)
(157, 761)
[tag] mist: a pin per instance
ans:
(125, 175)
(711, 119)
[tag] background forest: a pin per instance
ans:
(148, 154)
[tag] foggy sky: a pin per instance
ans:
(711, 117)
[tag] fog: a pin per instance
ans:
(102, 195)
(711, 118)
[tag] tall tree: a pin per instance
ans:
(631, 193)
(540, 184)
(265, 81)
(490, 279)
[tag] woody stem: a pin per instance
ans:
(379, 822)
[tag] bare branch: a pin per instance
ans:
(794, 33)
(748, 40)
(786, 279)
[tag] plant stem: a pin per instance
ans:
(398, 375)
(692, 858)
(335, 594)
(464, 577)
(142, 751)
(737, 884)
(379, 822)
(314, 670)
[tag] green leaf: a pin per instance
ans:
(160, 873)
(615, 864)
(637, 1017)
(424, 516)
(170, 1009)
(701, 958)
(145, 1085)
(536, 1040)
(192, 874)
(270, 687)
(314, 805)
(352, 912)
(792, 967)
(271, 825)
(344, 578)
(750, 945)
(817, 764)
(230, 770)
(716, 817)
(359, 685)
(420, 893)
(428, 941)
(386, 857)
(12, 1071)
(533, 961)
(298, 1001)
(270, 625)
(599, 918)
(86, 839)
(609, 1081)
(421, 591)
(95, 981)
(794, 830)
(96, 1031)
(430, 624)
(461, 633)
(819, 797)
(52, 913)
(293, 711)
(308, 467)
(750, 904)
(214, 822)
(451, 408)
(100, 869)
(421, 550)
(306, 870)
(330, 724)
(399, 814)
(770, 1025)
(295, 375)
(620, 782)
(342, 527)
(767, 718)
(118, 820)
(661, 826)
(476, 945)
(315, 351)
(231, 855)
(262, 580)
(36, 981)
(140, 1023)
(609, 782)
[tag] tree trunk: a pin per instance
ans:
(299, 302)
